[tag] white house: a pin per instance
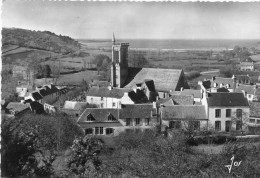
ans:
(247, 66)
(109, 97)
(251, 92)
(226, 111)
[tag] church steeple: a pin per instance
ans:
(113, 39)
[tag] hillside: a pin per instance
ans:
(37, 40)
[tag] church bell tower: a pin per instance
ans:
(119, 67)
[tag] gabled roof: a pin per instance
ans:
(137, 111)
(227, 99)
(254, 109)
(182, 99)
(127, 111)
(249, 89)
(242, 77)
(194, 112)
(100, 115)
(194, 93)
(164, 79)
(16, 106)
(43, 92)
(206, 84)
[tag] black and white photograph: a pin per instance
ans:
(130, 89)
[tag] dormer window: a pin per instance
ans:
(227, 86)
(215, 84)
(90, 118)
(110, 117)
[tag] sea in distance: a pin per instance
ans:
(173, 44)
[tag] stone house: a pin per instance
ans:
(247, 66)
(226, 111)
(110, 121)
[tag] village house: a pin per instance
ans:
(254, 118)
(184, 116)
(15, 108)
(226, 111)
(242, 79)
(251, 92)
(215, 83)
(147, 86)
(247, 66)
(109, 97)
(110, 121)
(197, 94)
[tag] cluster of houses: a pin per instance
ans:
(38, 100)
(141, 98)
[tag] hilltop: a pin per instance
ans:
(13, 38)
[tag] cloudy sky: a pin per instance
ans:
(136, 20)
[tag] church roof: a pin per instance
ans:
(164, 79)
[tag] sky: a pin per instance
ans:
(131, 20)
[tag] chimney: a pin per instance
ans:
(125, 93)
(110, 87)
(244, 92)
(213, 78)
(135, 90)
(233, 77)
(154, 104)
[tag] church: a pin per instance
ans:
(123, 76)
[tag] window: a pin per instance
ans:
(137, 121)
(228, 126)
(228, 112)
(98, 130)
(239, 113)
(114, 104)
(110, 117)
(238, 125)
(88, 131)
(102, 105)
(258, 121)
(147, 121)
(217, 113)
(175, 124)
(102, 98)
(217, 125)
(90, 118)
(128, 122)
(109, 131)
(252, 120)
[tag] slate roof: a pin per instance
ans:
(164, 79)
(16, 106)
(127, 111)
(254, 109)
(206, 84)
(43, 92)
(249, 89)
(227, 99)
(137, 111)
(195, 112)
(182, 99)
(36, 95)
(105, 92)
(195, 93)
(100, 115)
(222, 80)
(222, 89)
(36, 106)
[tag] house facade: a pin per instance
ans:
(111, 122)
(247, 66)
(254, 118)
(227, 111)
(251, 92)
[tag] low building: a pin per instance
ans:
(175, 100)
(98, 121)
(251, 92)
(226, 111)
(247, 66)
(183, 117)
(197, 94)
(213, 84)
(15, 108)
(109, 97)
(242, 79)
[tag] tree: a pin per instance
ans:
(47, 71)
(240, 120)
(84, 160)
(137, 60)
(21, 153)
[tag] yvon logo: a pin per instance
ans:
(235, 164)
